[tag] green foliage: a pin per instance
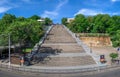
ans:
(47, 21)
(25, 32)
(113, 55)
(20, 19)
(80, 23)
(101, 23)
(8, 18)
(64, 21)
(3, 40)
(22, 30)
(27, 50)
(116, 39)
(35, 17)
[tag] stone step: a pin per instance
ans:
(62, 54)
(66, 61)
(58, 34)
(61, 48)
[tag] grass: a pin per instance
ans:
(27, 50)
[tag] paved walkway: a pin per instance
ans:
(106, 50)
(110, 73)
(64, 67)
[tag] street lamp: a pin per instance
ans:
(9, 49)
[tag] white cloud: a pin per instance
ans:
(115, 0)
(88, 12)
(4, 9)
(54, 13)
(62, 2)
(94, 12)
(5, 5)
(50, 14)
(114, 13)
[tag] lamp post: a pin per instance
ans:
(9, 49)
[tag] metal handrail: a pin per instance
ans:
(42, 39)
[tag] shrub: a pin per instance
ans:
(114, 55)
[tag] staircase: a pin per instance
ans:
(62, 49)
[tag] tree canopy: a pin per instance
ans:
(22, 30)
(35, 17)
(47, 21)
(101, 23)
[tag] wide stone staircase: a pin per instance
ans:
(60, 49)
(59, 35)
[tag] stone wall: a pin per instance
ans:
(97, 41)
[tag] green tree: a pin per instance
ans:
(89, 23)
(116, 39)
(102, 22)
(23, 30)
(113, 55)
(64, 21)
(114, 30)
(26, 33)
(47, 21)
(79, 23)
(6, 20)
(20, 19)
(35, 17)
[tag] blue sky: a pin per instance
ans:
(57, 9)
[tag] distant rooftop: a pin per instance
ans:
(40, 20)
(70, 19)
